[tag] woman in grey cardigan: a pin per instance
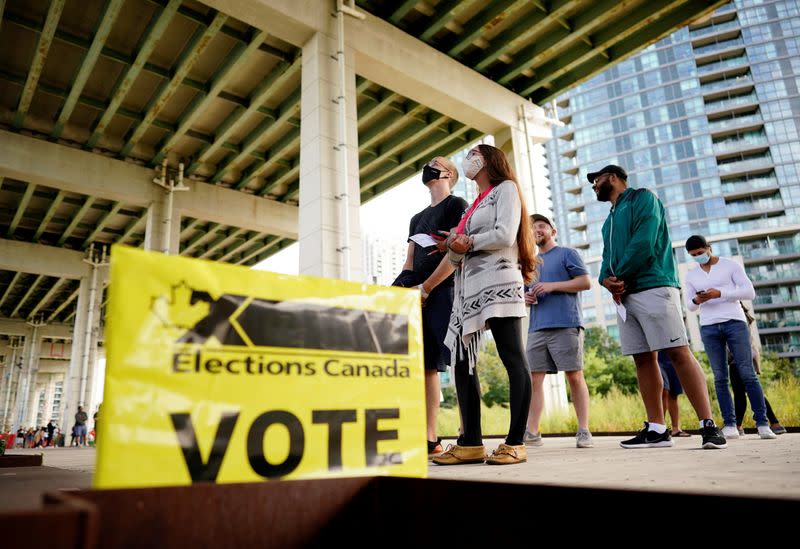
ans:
(492, 249)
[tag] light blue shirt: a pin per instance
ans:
(558, 309)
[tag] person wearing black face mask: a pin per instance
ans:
(428, 269)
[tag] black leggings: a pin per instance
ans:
(507, 334)
(740, 398)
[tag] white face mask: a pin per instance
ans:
(471, 165)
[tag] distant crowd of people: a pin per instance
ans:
(52, 435)
(477, 268)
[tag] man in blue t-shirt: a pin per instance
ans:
(555, 335)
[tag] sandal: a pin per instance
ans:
(681, 434)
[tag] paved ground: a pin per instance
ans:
(62, 469)
(749, 467)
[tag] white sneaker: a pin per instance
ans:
(765, 432)
(584, 439)
(730, 431)
(532, 440)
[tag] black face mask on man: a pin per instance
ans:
(430, 174)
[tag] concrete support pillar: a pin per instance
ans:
(5, 369)
(13, 371)
(72, 380)
(33, 402)
(30, 355)
(529, 163)
(35, 381)
(322, 170)
(46, 383)
(163, 228)
(88, 394)
(555, 392)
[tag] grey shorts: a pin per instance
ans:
(654, 321)
(555, 350)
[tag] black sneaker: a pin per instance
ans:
(648, 439)
(712, 436)
(435, 447)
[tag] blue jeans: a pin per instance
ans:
(734, 335)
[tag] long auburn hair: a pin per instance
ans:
(498, 169)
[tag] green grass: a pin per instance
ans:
(616, 412)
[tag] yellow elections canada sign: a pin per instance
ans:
(217, 373)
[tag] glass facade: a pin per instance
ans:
(708, 118)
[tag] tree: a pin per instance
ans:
(450, 400)
(605, 346)
(602, 374)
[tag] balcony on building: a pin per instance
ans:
(783, 350)
(729, 83)
(569, 151)
(747, 143)
(749, 185)
(743, 164)
(577, 220)
(774, 322)
(569, 166)
(571, 184)
(770, 206)
(563, 108)
(777, 298)
(566, 134)
(716, 28)
(719, 47)
(579, 239)
(575, 202)
(723, 64)
(770, 249)
(731, 104)
(732, 123)
(775, 221)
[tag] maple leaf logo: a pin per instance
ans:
(176, 312)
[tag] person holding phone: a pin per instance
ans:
(492, 248)
(716, 287)
(427, 269)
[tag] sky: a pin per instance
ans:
(386, 216)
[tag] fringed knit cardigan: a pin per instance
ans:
(488, 277)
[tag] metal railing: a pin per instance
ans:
(721, 65)
(729, 102)
(745, 165)
(718, 46)
(713, 29)
(725, 123)
(749, 185)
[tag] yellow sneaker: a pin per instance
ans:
(508, 455)
(457, 455)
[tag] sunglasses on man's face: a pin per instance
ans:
(598, 180)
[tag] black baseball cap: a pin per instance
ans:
(540, 217)
(611, 168)
(695, 242)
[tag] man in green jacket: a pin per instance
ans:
(639, 270)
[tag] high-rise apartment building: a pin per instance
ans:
(708, 118)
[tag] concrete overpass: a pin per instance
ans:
(281, 132)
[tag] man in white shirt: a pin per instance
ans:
(716, 287)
